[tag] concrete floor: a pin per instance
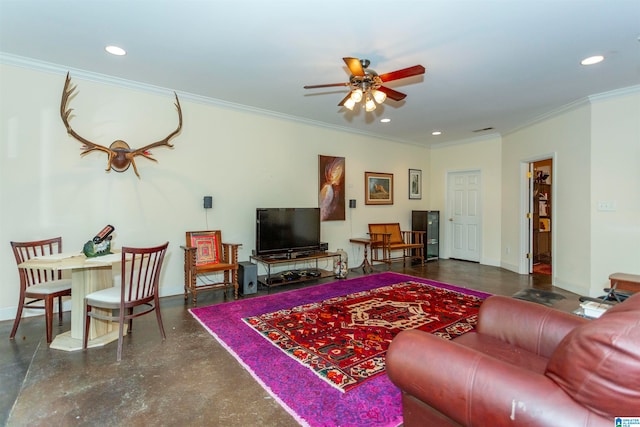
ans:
(189, 379)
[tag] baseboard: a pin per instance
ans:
(171, 291)
(9, 313)
(490, 262)
(579, 290)
(510, 267)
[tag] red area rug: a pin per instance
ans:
(308, 398)
(344, 339)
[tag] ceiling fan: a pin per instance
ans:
(368, 85)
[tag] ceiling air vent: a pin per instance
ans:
(482, 130)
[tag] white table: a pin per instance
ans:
(87, 275)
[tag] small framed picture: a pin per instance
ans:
(378, 188)
(415, 184)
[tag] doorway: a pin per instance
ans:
(541, 225)
(465, 215)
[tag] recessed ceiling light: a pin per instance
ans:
(115, 50)
(592, 60)
(385, 120)
(436, 133)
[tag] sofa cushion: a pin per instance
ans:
(598, 363)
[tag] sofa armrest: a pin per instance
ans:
(472, 388)
(533, 327)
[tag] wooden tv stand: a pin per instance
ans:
(279, 278)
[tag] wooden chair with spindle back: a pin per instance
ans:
(139, 287)
(40, 287)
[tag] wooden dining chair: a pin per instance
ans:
(38, 287)
(139, 287)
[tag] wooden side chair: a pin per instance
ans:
(140, 277)
(206, 254)
(387, 238)
(40, 287)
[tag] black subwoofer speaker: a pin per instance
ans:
(247, 278)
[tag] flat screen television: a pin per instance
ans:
(284, 230)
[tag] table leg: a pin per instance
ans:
(365, 264)
(83, 282)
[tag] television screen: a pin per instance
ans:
(281, 230)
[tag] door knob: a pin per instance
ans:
(450, 219)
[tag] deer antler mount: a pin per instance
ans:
(121, 156)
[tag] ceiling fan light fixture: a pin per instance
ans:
(369, 105)
(356, 95)
(349, 103)
(379, 96)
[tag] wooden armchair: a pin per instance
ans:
(205, 254)
(388, 238)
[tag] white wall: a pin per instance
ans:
(596, 151)
(246, 159)
(243, 159)
(483, 155)
(567, 139)
(615, 177)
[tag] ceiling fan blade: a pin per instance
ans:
(393, 94)
(401, 74)
(327, 85)
(355, 66)
(344, 100)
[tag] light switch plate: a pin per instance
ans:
(607, 205)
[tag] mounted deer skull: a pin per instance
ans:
(121, 156)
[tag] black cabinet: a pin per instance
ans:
(429, 222)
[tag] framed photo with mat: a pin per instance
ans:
(378, 188)
(415, 184)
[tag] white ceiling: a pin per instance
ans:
(497, 64)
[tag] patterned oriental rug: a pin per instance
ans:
(302, 389)
(344, 339)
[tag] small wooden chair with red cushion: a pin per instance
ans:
(205, 255)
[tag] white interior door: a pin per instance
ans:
(465, 215)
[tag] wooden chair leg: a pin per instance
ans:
(87, 322)
(159, 318)
(120, 334)
(60, 311)
(130, 314)
(16, 322)
(48, 314)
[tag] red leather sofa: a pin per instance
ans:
(526, 365)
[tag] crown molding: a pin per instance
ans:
(475, 139)
(47, 67)
(577, 104)
(631, 90)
